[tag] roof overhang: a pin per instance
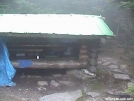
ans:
(54, 24)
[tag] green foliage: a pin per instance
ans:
(129, 7)
(125, 20)
(54, 6)
(4, 8)
(130, 90)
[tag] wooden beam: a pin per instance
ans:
(46, 64)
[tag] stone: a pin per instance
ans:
(130, 84)
(117, 70)
(85, 71)
(19, 89)
(103, 40)
(104, 59)
(120, 94)
(57, 75)
(67, 83)
(114, 62)
(114, 92)
(93, 69)
(81, 74)
(123, 66)
(99, 62)
(41, 88)
(93, 94)
(54, 83)
(42, 83)
(94, 99)
(122, 76)
(113, 66)
(106, 63)
(66, 96)
(84, 74)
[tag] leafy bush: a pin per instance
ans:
(130, 90)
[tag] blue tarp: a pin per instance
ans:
(7, 71)
(25, 63)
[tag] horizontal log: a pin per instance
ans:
(84, 47)
(36, 48)
(33, 46)
(46, 64)
(83, 57)
(26, 50)
(83, 51)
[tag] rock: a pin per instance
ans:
(113, 66)
(93, 69)
(119, 94)
(106, 63)
(99, 62)
(89, 98)
(67, 96)
(122, 76)
(94, 55)
(114, 62)
(42, 83)
(81, 74)
(117, 71)
(57, 75)
(26, 90)
(104, 59)
(85, 71)
(93, 62)
(93, 94)
(130, 84)
(123, 66)
(67, 83)
(114, 92)
(103, 40)
(19, 89)
(54, 83)
(41, 88)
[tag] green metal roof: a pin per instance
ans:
(71, 24)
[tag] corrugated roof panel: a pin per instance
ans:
(72, 24)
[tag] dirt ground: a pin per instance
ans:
(27, 89)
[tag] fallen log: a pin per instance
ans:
(46, 64)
